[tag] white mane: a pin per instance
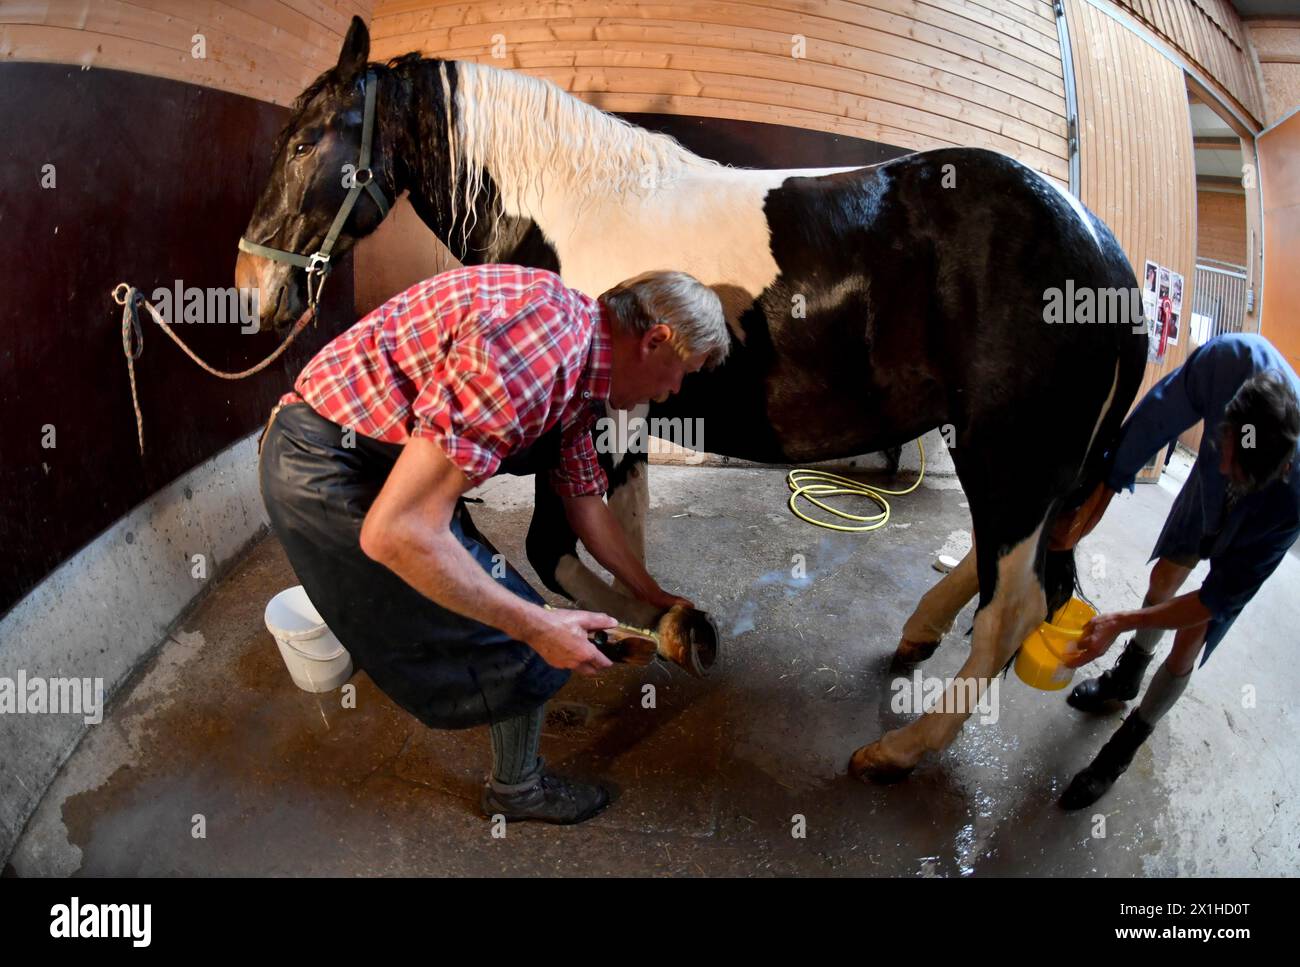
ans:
(526, 131)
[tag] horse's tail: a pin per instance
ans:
(1060, 579)
(1130, 367)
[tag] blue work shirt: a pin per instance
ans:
(1246, 545)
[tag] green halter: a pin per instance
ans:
(317, 265)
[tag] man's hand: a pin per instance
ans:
(664, 600)
(602, 535)
(1098, 635)
(560, 637)
(1184, 611)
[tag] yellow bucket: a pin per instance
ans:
(1041, 659)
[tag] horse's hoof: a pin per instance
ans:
(871, 763)
(913, 652)
(689, 638)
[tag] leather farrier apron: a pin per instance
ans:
(447, 670)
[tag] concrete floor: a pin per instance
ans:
(712, 780)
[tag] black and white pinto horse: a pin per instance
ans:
(920, 283)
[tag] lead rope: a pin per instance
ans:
(130, 298)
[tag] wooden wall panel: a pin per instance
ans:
(267, 49)
(1279, 161)
(1221, 226)
(1137, 168)
(1211, 35)
(914, 74)
(1277, 48)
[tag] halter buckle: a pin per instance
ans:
(363, 176)
(318, 264)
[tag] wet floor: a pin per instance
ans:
(212, 762)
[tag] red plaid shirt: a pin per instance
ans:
(483, 360)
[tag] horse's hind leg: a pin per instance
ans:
(1009, 513)
(936, 612)
(1014, 607)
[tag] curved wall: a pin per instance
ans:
(144, 174)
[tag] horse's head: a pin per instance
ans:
(317, 161)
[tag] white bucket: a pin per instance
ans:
(314, 657)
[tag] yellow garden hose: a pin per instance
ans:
(811, 484)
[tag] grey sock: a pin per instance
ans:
(1147, 639)
(1161, 694)
(515, 744)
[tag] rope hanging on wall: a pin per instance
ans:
(130, 299)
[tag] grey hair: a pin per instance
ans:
(681, 302)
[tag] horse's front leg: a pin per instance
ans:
(552, 549)
(629, 499)
(1017, 605)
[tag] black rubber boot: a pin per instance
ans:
(1113, 688)
(551, 799)
(1115, 756)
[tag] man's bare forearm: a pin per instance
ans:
(437, 566)
(1184, 611)
(601, 534)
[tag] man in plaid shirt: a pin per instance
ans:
(482, 370)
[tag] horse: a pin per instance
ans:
(866, 306)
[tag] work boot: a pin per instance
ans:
(1114, 687)
(1115, 756)
(549, 799)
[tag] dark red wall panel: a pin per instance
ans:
(155, 181)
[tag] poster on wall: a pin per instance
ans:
(1158, 307)
(1150, 274)
(1154, 279)
(1150, 312)
(1176, 298)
